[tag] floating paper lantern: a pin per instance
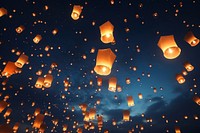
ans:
(86, 117)
(37, 111)
(48, 80)
(112, 84)
(38, 121)
(140, 96)
(21, 60)
(55, 31)
(106, 31)
(99, 81)
(191, 39)
(189, 67)
(42, 128)
(3, 105)
(126, 115)
(64, 128)
(16, 126)
(66, 83)
(180, 79)
(5, 129)
(169, 47)
(20, 29)
(79, 130)
(3, 11)
(37, 39)
(104, 61)
(8, 112)
(9, 69)
(39, 83)
(119, 88)
(177, 130)
(130, 101)
(92, 113)
(77, 9)
(196, 99)
(184, 72)
(128, 80)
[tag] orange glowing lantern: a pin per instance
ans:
(177, 130)
(38, 121)
(79, 130)
(196, 99)
(37, 111)
(8, 112)
(169, 47)
(37, 39)
(126, 115)
(92, 113)
(3, 105)
(99, 81)
(42, 128)
(16, 126)
(189, 67)
(21, 60)
(3, 12)
(20, 29)
(86, 117)
(128, 80)
(180, 79)
(9, 69)
(112, 84)
(140, 96)
(48, 80)
(77, 9)
(104, 61)
(55, 31)
(106, 31)
(39, 83)
(130, 101)
(191, 39)
(64, 128)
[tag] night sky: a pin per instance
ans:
(138, 26)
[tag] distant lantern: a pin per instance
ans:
(38, 121)
(130, 101)
(20, 29)
(79, 130)
(9, 69)
(106, 31)
(177, 130)
(128, 80)
(3, 105)
(21, 60)
(37, 39)
(140, 96)
(191, 39)
(126, 115)
(104, 61)
(64, 128)
(8, 112)
(184, 72)
(196, 99)
(189, 67)
(119, 88)
(112, 84)
(92, 113)
(86, 117)
(55, 31)
(3, 12)
(66, 83)
(48, 80)
(99, 81)
(169, 47)
(180, 79)
(6, 129)
(37, 111)
(16, 126)
(42, 128)
(39, 83)
(77, 9)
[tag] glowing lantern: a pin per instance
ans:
(8, 112)
(79, 130)
(169, 47)
(106, 31)
(114, 122)
(39, 83)
(3, 11)
(37, 39)
(77, 9)
(112, 84)
(42, 128)
(188, 66)
(92, 113)
(83, 107)
(140, 96)
(3, 105)
(177, 130)
(191, 39)
(119, 88)
(99, 81)
(184, 72)
(21, 60)
(128, 81)
(86, 117)
(100, 121)
(55, 31)
(20, 29)
(5, 129)
(38, 121)
(130, 101)
(9, 69)
(37, 111)
(180, 79)
(104, 61)
(64, 128)
(16, 126)
(196, 99)
(154, 90)
(126, 115)
(48, 80)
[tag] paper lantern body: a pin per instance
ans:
(38, 121)
(189, 67)
(21, 60)
(37, 39)
(112, 84)
(39, 83)
(48, 80)
(20, 29)
(180, 79)
(191, 39)
(77, 9)
(3, 12)
(130, 101)
(106, 31)
(9, 69)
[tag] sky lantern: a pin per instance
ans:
(55, 31)
(42, 128)
(86, 117)
(189, 67)
(196, 99)
(79, 130)
(3, 105)
(37, 111)
(99, 81)
(106, 31)
(177, 130)
(180, 79)
(64, 127)
(37, 39)
(77, 9)
(48, 78)
(38, 121)
(39, 83)
(8, 112)
(140, 96)
(21, 60)
(104, 61)
(92, 113)
(191, 39)
(20, 29)
(130, 101)
(126, 115)
(112, 84)
(16, 127)
(169, 47)
(9, 69)
(128, 80)
(3, 12)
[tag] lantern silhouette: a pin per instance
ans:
(140, 96)
(38, 121)
(7, 113)
(130, 101)
(37, 39)
(104, 61)
(3, 105)
(106, 31)
(48, 80)
(5, 129)
(3, 11)
(196, 99)
(189, 67)
(180, 79)
(99, 81)
(77, 9)
(92, 113)
(39, 83)
(177, 130)
(128, 80)
(126, 115)
(16, 126)
(112, 84)
(20, 29)
(9, 69)
(21, 60)
(191, 39)
(100, 121)
(169, 47)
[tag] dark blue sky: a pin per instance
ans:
(76, 38)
